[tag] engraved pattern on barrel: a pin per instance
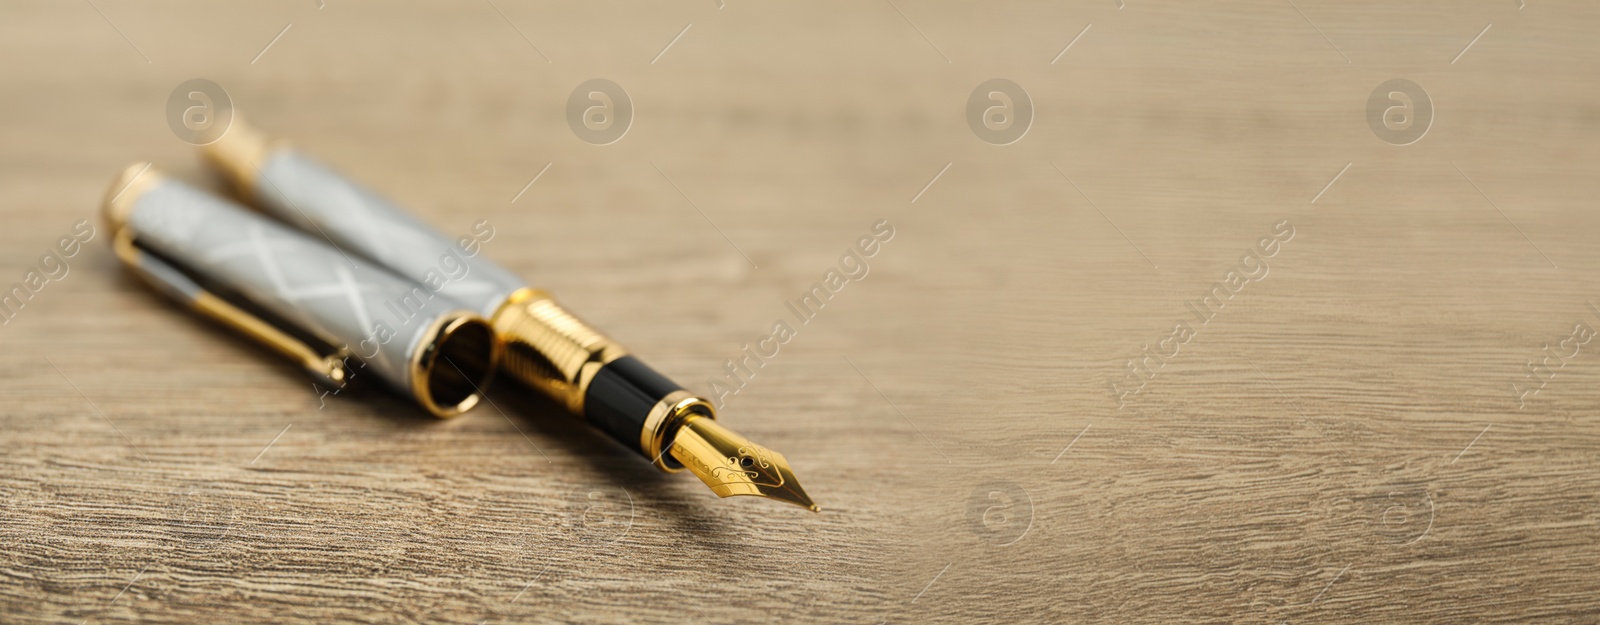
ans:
(317, 289)
(304, 192)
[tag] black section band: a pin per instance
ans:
(620, 398)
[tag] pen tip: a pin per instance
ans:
(732, 465)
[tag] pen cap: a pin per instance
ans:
(307, 194)
(200, 248)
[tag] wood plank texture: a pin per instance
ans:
(1346, 440)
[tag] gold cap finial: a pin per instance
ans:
(239, 153)
(124, 191)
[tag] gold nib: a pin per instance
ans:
(732, 465)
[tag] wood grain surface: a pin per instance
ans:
(1353, 437)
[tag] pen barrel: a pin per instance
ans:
(423, 346)
(307, 194)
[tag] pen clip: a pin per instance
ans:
(328, 367)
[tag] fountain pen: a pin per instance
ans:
(544, 346)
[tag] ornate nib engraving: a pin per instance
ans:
(732, 465)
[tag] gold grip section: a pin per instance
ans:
(551, 350)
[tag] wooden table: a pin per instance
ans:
(1353, 437)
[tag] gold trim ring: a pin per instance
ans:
(664, 419)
